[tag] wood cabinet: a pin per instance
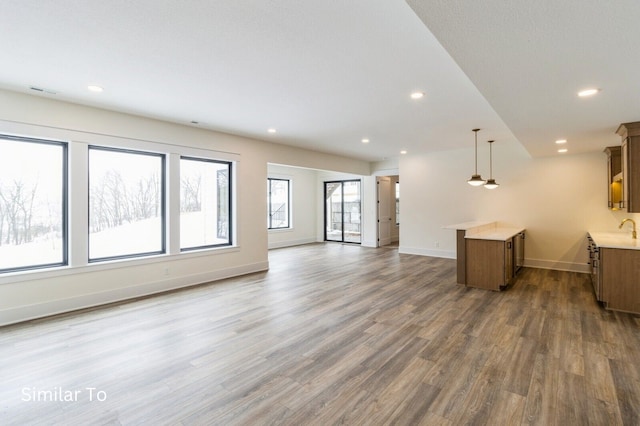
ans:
(619, 279)
(461, 256)
(614, 177)
(630, 154)
(489, 263)
(488, 255)
(594, 267)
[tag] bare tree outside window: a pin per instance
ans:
(32, 203)
(204, 203)
(126, 207)
(278, 203)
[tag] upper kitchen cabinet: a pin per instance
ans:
(614, 177)
(630, 133)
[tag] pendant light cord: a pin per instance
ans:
(490, 159)
(475, 131)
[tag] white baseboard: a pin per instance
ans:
(291, 243)
(39, 310)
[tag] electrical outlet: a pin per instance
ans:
(437, 244)
(166, 271)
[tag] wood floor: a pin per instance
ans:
(332, 334)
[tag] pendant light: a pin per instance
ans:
(476, 179)
(491, 183)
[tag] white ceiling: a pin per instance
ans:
(326, 74)
(530, 58)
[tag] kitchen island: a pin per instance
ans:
(488, 255)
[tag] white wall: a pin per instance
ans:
(369, 211)
(304, 196)
(26, 295)
(557, 199)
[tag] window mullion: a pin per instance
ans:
(173, 203)
(78, 198)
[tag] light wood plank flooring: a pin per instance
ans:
(332, 334)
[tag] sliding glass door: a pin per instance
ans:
(342, 214)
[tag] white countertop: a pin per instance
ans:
(467, 225)
(498, 234)
(486, 230)
(619, 240)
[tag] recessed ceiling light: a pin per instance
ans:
(403, 152)
(561, 141)
(587, 92)
(365, 140)
(94, 88)
(563, 150)
(271, 130)
(417, 95)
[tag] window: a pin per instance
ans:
(278, 203)
(205, 203)
(33, 203)
(126, 203)
(397, 203)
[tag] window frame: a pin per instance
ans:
(64, 202)
(229, 200)
(163, 203)
(270, 226)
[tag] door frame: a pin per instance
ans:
(395, 177)
(381, 220)
(324, 190)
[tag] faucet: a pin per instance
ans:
(634, 235)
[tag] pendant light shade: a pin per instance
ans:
(491, 182)
(476, 179)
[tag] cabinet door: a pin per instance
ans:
(632, 173)
(508, 261)
(485, 264)
(620, 286)
(518, 252)
(630, 133)
(614, 177)
(625, 174)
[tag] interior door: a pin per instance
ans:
(384, 211)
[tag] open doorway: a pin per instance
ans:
(388, 210)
